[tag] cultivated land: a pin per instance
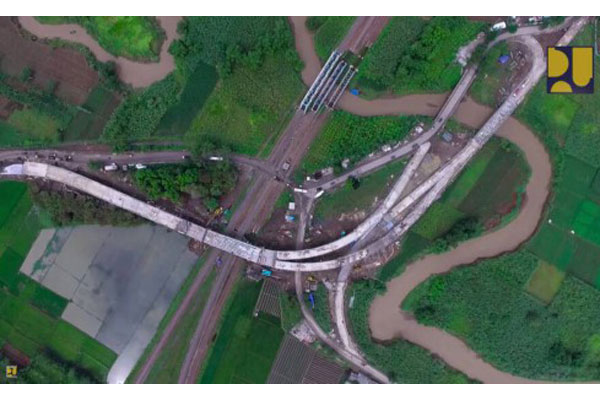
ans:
(30, 314)
(245, 346)
(328, 33)
(569, 354)
(415, 55)
(349, 136)
(50, 94)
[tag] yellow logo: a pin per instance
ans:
(11, 371)
(570, 70)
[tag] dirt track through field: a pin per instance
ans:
(386, 319)
(135, 73)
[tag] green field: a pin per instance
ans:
(545, 282)
(167, 366)
(375, 185)
(29, 313)
(250, 107)
(179, 117)
(245, 346)
(491, 76)
(136, 38)
(569, 238)
(328, 33)
(416, 55)
(347, 135)
(486, 305)
(35, 124)
(567, 124)
(92, 116)
(489, 189)
(401, 361)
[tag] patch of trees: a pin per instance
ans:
(70, 208)
(225, 42)
(207, 180)
(418, 55)
(140, 113)
(464, 229)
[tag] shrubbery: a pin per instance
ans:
(69, 208)
(416, 55)
(208, 180)
(47, 369)
(464, 229)
(139, 114)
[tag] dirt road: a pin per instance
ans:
(135, 73)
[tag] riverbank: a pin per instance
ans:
(136, 73)
(387, 321)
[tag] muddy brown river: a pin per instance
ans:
(386, 319)
(135, 73)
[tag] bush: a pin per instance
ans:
(416, 55)
(68, 208)
(208, 180)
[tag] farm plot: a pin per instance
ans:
(89, 121)
(328, 33)
(350, 136)
(488, 190)
(249, 107)
(569, 239)
(298, 363)
(199, 86)
(545, 282)
(415, 55)
(66, 69)
(245, 346)
(29, 312)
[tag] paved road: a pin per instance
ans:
(354, 359)
(480, 139)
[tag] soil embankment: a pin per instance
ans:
(387, 321)
(135, 73)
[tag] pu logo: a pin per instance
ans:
(11, 371)
(570, 70)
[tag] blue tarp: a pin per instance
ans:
(503, 59)
(355, 92)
